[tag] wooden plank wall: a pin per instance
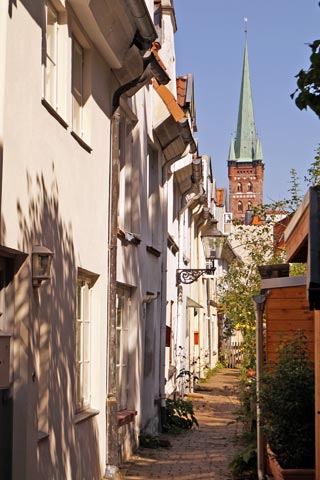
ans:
(317, 389)
(287, 310)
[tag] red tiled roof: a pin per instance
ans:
(220, 195)
(181, 90)
(169, 100)
(155, 49)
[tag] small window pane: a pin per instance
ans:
(118, 346)
(78, 385)
(86, 342)
(86, 383)
(77, 87)
(79, 341)
(51, 34)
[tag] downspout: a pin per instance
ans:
(259, 304)
(196, 186)
(112, 456)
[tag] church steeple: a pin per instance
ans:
(246, 138)
(245, 160)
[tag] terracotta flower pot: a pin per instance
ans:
(280, 473)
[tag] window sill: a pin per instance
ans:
(42, 435)
(54, 113)
(153, 251)
(126, 416)
(81, 142)
(85, 414)
(172, 245)
(128, 237)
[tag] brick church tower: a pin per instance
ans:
(245, 162)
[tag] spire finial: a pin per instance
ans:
(245, 26)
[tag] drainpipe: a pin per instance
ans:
(163, 300)
(259, 304)
(112, 457)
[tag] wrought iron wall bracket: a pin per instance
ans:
(190, 275)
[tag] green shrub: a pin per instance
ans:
(287, 404)
(179, 416)
(244, 463)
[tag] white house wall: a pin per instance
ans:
(54, 193)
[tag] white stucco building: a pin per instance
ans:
(99, 166)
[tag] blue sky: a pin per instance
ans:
(210, 44)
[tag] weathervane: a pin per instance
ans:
(245, 25)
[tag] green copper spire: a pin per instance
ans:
(258, 155)
(245, 143)
(232, 155)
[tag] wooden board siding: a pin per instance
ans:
(298, 237)
(317, 389)
(287, 311)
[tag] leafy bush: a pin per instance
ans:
(244, 464)
(179, 416)
(146, 440)
(287, 404)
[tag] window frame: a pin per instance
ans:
(79, 117)
(52, 100)
(122, 345)
(82, 390)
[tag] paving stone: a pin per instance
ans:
(202, 453)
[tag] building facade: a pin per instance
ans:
(100, 172)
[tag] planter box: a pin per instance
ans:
(280, 473)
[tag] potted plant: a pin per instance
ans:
(287, 410)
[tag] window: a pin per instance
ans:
(125, 204)
(249, 205)
(51, 67)
(250, 188)
(77, 87)
(153, 197)
(54, 60)
(122, 312)
(240, 206)
(239, 187)
(83, 334)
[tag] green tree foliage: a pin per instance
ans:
(312, 178)
(242, 281)
(287, 403)
(308, 81)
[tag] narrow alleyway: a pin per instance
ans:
(203, 453)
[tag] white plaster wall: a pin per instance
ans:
(56, 193)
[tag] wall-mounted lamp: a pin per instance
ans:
(213, 241)
(41, 264)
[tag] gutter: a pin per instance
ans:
(143, 19)
(151, 69)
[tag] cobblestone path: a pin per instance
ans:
(203, 453)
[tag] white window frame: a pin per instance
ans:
(51, 58)
(123, 304)
(154, 204)
(77, 89)
(83, 342)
